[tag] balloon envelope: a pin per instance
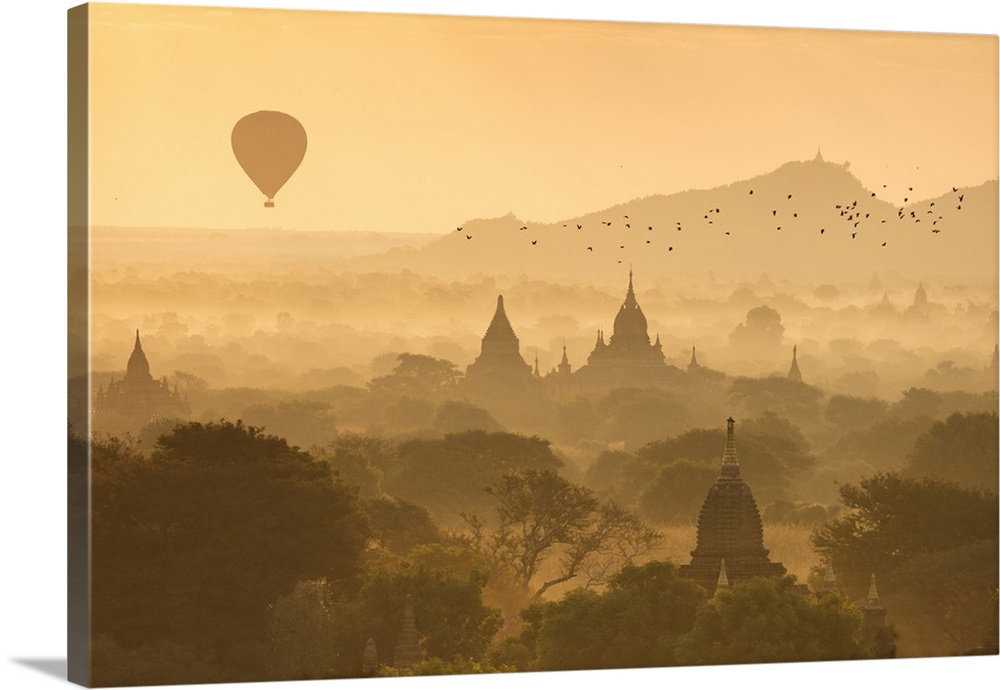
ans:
(269, 147)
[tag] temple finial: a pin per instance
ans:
(730, 464)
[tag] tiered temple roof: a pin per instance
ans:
(729, 530)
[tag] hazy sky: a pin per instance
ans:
(416, 123)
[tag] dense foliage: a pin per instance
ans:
(192, 544)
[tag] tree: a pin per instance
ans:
(359, 461)
(640, 415)
(303, 423)
(934, 547)
(540, 514)
(418, 376)
(892, 519)
(851, 412)
(678, 491)
(319, 631)
(399, 526)
(454, 416)
(451, 618)
(793, 400)
(771, 453)
(767, 620)
(192, 544)
(448, 475)
(761, 332)
(634, 623)
(963, 449)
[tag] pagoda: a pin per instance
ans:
(730, 531)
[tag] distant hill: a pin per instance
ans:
(810, 221)
(807, 220)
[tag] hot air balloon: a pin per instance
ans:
(269, 147)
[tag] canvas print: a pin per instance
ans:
(410, 345)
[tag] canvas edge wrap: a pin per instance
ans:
(78, 348)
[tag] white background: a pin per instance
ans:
(33, 317)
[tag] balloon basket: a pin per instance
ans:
(268, 204)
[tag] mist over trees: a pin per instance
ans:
(538, 524)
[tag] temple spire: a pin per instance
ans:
(693, 364)
(829, 580)
(723, 582)
(730, 464)
(138, 344)
(794, 374)
(630, 300)
(872, 601)
(369, 664)
(408, 650)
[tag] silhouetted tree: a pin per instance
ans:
(793, 400)
(454, 416)
(304, 423)
(760, 333)
(677, 491)
(192, 544)
(399, 526)
(893, 519)
(634, 623)
(851, 412)
(318, 631)
(540, 515)
(766, 620)
(418, 376)
(768, 461)
(962, 449)
(448, 475)
(360, 461)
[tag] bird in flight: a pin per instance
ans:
(534, 241)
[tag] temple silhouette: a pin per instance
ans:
(136, 399)
(499, 366)
(627, 358)
(730, 550)
(730, 544)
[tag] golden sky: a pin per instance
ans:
(417, 123)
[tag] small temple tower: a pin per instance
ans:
(136, 399)
(408, 650)
(730, 530)
(693, 364)
(564, 369)
(876, 632)
(920, 298)
(794, 374)
(829, 585)
(499, 362)
(369, 664)
(723, 581)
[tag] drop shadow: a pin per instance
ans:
(50, 667)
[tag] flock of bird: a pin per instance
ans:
(853, 218)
